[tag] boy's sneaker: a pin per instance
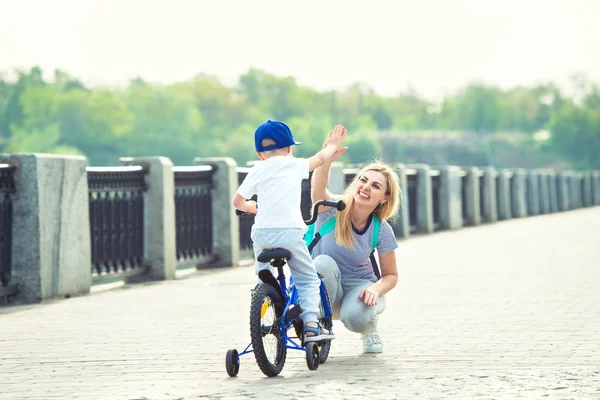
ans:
(372, 342)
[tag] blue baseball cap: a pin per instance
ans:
(276, 131)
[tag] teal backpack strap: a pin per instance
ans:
(311, 239)
(376, 224)
(309, 235)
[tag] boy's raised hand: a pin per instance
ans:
(331, 148)
(336, 137)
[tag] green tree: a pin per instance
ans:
(39, 141)
(363, 143)
(311, 131)
(238, 144)
(165, 121)
(576, 134)
(12, 109)
(95, 122)
(475, 108)
(222, 108)
(38, 107)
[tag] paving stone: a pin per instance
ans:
(505, 310)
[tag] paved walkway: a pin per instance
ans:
(502, 311)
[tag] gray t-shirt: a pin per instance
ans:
(354, 263)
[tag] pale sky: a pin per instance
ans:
(433, 46)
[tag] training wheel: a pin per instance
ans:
(232, 362)
(312, 356)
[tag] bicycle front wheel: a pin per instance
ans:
(267, 340)
(327, 323)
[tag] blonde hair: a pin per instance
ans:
(343, 226)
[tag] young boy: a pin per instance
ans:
(277, 181)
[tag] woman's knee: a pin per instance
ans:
(326, 265)
(330, 273)
(359, 318)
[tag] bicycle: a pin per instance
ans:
(274, 310)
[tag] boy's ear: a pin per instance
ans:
(289, 150)
(260, 155)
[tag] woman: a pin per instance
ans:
(342, 256)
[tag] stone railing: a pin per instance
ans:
(67, 226)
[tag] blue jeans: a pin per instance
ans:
(343, 295)
(301, 266)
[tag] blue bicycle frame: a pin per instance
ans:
(290, 296)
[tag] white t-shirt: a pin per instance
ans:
(277, 182)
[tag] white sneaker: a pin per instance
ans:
(372, 342)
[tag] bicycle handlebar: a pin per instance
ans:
(339, 205)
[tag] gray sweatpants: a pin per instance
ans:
(343, 295)
(301, 266)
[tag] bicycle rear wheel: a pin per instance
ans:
(267, 341)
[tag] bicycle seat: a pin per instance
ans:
(267, 255)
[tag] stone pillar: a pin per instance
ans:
(575, 189)
(504, 197)
(51, 246)
(562, 188)
(410, 198)
(596, 188)
(543, 191)
(337, 180)
(472, 197)
(424, 199)
(401, 223)
(226, 225)
(578, 188)
(160, 249)
(450, 197)
(518, 196)
(587, 189)
(553, 191)
(533, 195)
(490, 205)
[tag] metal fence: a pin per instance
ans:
(529, 207)
(193, 214)
(412, 178)
(436, 182)
(464, 185)
(561, 198)
(116, 198)
(7, 190)
(246, 221)
(499, 193)
(482, 195)
(514, 200)
(306, 200)
(349, 174)
(531, 187)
